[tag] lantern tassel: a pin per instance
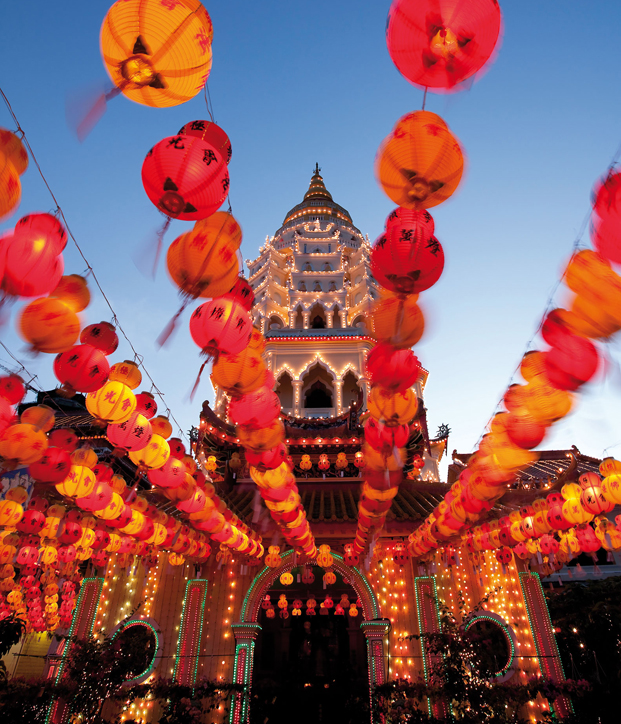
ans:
(147, 256)
(85, 109)
(170, 327)
(198, 379)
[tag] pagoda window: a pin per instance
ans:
(358, 322)
(327, 266)
(302, 286)
(318, 317)
(318, 389)
(351, 390)
(317, 287)
(336, 319)
(299, 319)
(275, 322)
(332, 286)
(308, 267)
(284, 390)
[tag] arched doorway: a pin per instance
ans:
(317, 317)
(284, 390)
(316, 681)
(351, 390)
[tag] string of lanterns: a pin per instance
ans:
(552, 378)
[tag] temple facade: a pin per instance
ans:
(304, 639)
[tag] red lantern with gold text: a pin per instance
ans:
(256, 409)
(102, 336)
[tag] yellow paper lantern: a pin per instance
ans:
(153, 456)
(157, 53)
(80, 482)
(22, 444)
(111, 404)
(239, 374)
(126, 372)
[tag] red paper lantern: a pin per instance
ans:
(64, 438)
(146, 404)
(44, 228)
(177, 448)
(102, 336)
(12, 388)
(171, 475)
(100, 498)
(523, 431)
(211, 133)
(185, 177)
(395, 369)
(33, 267)
(256, 410)
(221, 326)
(383, 438)
(242, 293)
(404, 264)
(133, 434)
(571, 363)
(52, 467)
(32, 522)
(440, 43)
(83, 368)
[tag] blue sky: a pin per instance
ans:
(295, 83)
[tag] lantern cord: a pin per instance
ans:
(208, 102)
(424, 97)
(22, 368)
(61, 213)
(550, 301)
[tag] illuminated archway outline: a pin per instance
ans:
(150, 624)
(507, 671)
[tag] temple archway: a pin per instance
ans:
(351, 390)
(318, 390)
(248, 628)
(317, 317)
(284, 390)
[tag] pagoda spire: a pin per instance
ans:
(317, 189)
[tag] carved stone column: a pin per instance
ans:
(297, 395)
(338, 388)
(245, 638)
(306, 317)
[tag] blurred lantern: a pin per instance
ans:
(126, 372)
(571, 362)
(39, 416)
(594, 501)
(146, 404)
(112, 404)
(82, 368)
(268, 459)
(324, 462)
(264, 438)
(13, 148)
(359, 459)
(10, 186)
(420, 164)
(393, 408)
(395, 369)
(157, 53)
(33, 266)
(210, 132)
(239, 374)
(73, 291)
(85, 456)
(400, 555)
(438, 44)
(12, 388)
(523, 431)
(242, 292)
(133, 434)
(49, 325)
(406, 265)
(154, 455)
(329, 578)
(22, 444)
(185, 177)
(203, 262)
(235, 462)
(397, 321)
(341, 461)
(211, 464)
(256, 409)
(220, 326)
(102, 336)
(52, 467)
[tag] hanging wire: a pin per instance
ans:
(550, 301)
(90, 269)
